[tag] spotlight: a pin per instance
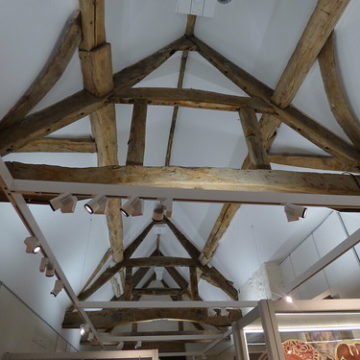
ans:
(97, 205)
(50, 270)
(224, 312)
(65, 202)
(43, 264)
(288, 299)
(84, 329)
(32, 245)
(294, 212)
(133, 207)
(158, 214)
(57, 288)
(138, 345)
(167, 203)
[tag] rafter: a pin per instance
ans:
(269, 123)
(178, 278)
(57, 145)
(211, 275)
(339, 103)
(48, 120)
(50, 74)
(312, 162)
(105, 319)
(291, 116)
(135, 73)
(110, 272)
(189, 98)
(318, 29)
(101, 264)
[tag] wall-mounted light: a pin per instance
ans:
(158, 214)
(50, 270)
(43, 264)
(167, 203)
(97, 205)
(133, 207)
(294, 212)
(32, 245)
(65, 202)
(57, 288)
(84, 329)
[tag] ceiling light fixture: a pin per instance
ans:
(294, 212)
(84, 329)
(289, 299)
(65, 202)
(50, 270)
(158, 214)
(97, 205)
(133, 207)
(32, 245)
(43, 264)
(57, 288)
(167, 203)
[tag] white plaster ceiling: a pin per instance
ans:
(258, 35)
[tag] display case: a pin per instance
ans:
(301, 330)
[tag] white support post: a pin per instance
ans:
(326, 260)
(271, 330)
(33, 228)
(241, 350)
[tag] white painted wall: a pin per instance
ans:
(22, 330)
(343, 275)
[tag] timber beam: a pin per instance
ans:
(303, 124)
(316, 33)
(159, 261)
(106, 319)
(48, 120)
(211, 275)
(158, 291)
(204, 179)
(60, 145)
(189, 98)
(50, 74)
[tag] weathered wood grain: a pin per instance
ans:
(193, 98)
(335, 92)
(50, 74)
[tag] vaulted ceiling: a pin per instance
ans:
(255, 97)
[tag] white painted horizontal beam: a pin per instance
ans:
(176, 354)
(330, 257)
(165, 305)
(120, 354)
(318, 306)
(108, 338)
(222, 196)
(217, 341)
